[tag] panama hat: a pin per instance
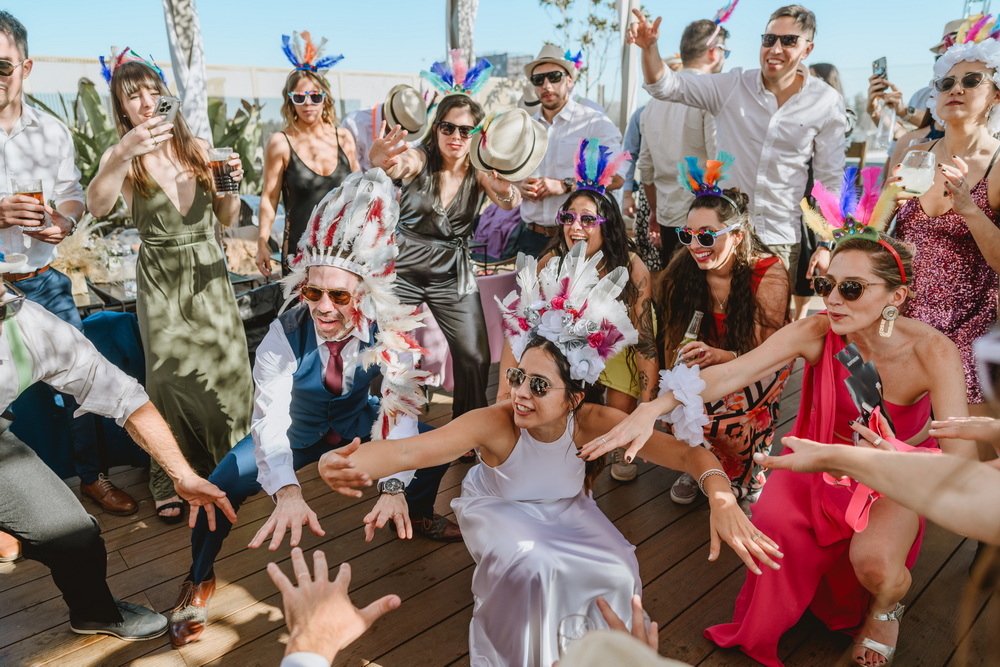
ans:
(529, 99)
(404, 107)
(950, 28)
(12, 262)
(511, 143)
(551, 53)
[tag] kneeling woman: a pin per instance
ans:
(543, 549)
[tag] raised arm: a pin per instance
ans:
(500, 191)
(390, 153)
(646, 35)
(103, 191)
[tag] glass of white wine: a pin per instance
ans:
(917, 172)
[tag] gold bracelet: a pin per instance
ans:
(708, 473)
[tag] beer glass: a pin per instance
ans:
(221, 169)
(31, 187)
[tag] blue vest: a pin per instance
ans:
(314, 410)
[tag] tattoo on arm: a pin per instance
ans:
(646, 346)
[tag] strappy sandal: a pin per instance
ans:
(883, 650)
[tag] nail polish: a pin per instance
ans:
(628, 459)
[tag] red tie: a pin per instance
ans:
(334, 379)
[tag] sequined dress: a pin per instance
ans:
(955, 288)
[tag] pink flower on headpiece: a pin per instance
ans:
(558, 302)
(595, 339)
(611, 337)
(523, 323)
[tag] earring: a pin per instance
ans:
(889, 313)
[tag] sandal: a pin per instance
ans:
(170, 506)
(883, 650)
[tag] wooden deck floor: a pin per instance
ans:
(147, 561)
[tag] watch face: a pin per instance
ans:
(392, 486)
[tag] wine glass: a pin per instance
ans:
(571, 628)
(917, 172)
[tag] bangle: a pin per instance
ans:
(736, 355)
(708, 473)
(76, 223)
(510, 195)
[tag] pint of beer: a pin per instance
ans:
(30, 187)
(224, 183)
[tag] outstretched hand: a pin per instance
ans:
(389, 506)
(642, 33)
(337, 470)
(290, 514)
(984, 429)
(387, 148)
(649, 636)
(803, 455)
(199, 492)
(631, 433)
(729, 524)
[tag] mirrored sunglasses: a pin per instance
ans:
(7, 67)
(768, 40)
(586, 219)
(340, 297)
(539, 386)
(538, 80)
(298, 99)
(968, 81)
(706, 238)
(851, 290)
(448, 129)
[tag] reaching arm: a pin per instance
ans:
(103, 191)
(500, 191)
(390, 153)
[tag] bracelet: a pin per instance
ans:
(736, 355)
(76, 223)
(688, 418)
(510, 196)
(708, 473)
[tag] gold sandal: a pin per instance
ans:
(883, 650)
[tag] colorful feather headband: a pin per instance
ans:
(976, 29)
(460, 79)
(577, 60)
(127, 55)
(721, 17)
(855, 214)
(596, 165)
(704, 182)
(304, 54)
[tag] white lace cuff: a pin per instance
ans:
(688, 419)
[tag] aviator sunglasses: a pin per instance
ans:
(538, 80)
(539, 386)
(586, 219)
(448, 129)
(339, 296)
(768, 40)
(298, 99)
(851, 290)
(706, 238)
(7, 68)
(12, 303)
(968, 81)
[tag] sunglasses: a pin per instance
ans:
(12, 305)
(586, 219)
(538, 80)
(339, 296)
(7, 68)
(706, 238)
(768, 40)
(448, 129)
(539, 386)
(298, 99)
(968, 82)
(851, 290)
(725, 51)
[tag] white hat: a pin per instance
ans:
(551, 53)
(12, 262)
(511, 143)
(529, 99)
(950, 28)
(404, 107)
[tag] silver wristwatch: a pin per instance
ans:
(391, 486)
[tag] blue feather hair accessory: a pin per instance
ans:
(702, 182)
(458, 79)
(577, 60)
(127, 55)
(304, 54)
(597, 165)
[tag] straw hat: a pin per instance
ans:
(512, 144)
(404, 107)
(529, 99)
(950, 28)
(12, 262)
(551, 53)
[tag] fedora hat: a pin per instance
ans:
(950, 28)
(529, 99)
(512, 144)
(12, 262)
(551, 53)
(404, 107)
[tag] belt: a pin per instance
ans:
(14, 277)
(542, 229)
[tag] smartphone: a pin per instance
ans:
(879, 69)
(167, 107)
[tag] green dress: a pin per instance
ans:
(197, 366)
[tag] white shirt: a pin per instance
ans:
(573, 123)
(671, 132)
(62, 358)
(39, 146)
(772, 145)
(273, 373)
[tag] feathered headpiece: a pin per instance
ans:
(975, 29)
(702, 182)
(577, 60)
(127, 55)
(721, 17)
(303, 54)
(352, 229)
(460, 79)
(596, 165)
(854, 213)
(987, 52)
(569, 305)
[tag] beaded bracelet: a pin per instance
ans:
(708, 473)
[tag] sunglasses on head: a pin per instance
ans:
(7, 68)
(586, 219)
(12, 303)
(538, 80)
(768, 40)
(851, 290)
(706, 238)
(448, 129)
(539, 386)
(968, 81)
(339, 296)
(298, 99)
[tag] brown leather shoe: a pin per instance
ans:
(437, 528)
(10, 548)
(189, 616)
(110, 497)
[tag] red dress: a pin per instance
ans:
(805, 516)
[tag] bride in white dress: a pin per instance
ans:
(542, 547)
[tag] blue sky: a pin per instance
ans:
(408, 35)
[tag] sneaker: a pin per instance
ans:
(138, 624)
(685, 490)
(623, 472)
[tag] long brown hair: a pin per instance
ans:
(129, 78)
(288, 108)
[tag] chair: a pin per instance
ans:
(858, 150)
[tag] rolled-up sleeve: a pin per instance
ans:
(273, 373)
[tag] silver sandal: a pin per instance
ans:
(883, 650)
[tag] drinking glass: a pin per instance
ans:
(571, 628)
(30, 187)
(917, 172)
(221, 169)
(886, 129)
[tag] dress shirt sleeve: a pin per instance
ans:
(700, 91)
(67, 177)
(644, 163)
(633, 144)
(304, 659)
(272, 374)
(711, 144)
(829, 146)
(405, 427)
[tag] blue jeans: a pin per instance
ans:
(236, 475)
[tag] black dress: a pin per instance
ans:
(301, 189)
(433, 267)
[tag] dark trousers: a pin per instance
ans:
(236, 474)
(37, 508)
(532, 243)
(669, 243)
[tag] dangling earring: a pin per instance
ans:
(889, 313)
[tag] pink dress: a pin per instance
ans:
(955, 289)
(805, 516)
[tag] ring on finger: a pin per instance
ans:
(960, 182)
(877, 441)
(604, 440)
(756, 537)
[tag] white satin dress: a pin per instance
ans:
(543, 550)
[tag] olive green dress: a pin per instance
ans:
(197, 366)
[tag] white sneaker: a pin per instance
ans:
(685, 490)
(621, 471)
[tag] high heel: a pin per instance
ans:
(883, 650)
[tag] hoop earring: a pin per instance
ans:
(889, 313)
